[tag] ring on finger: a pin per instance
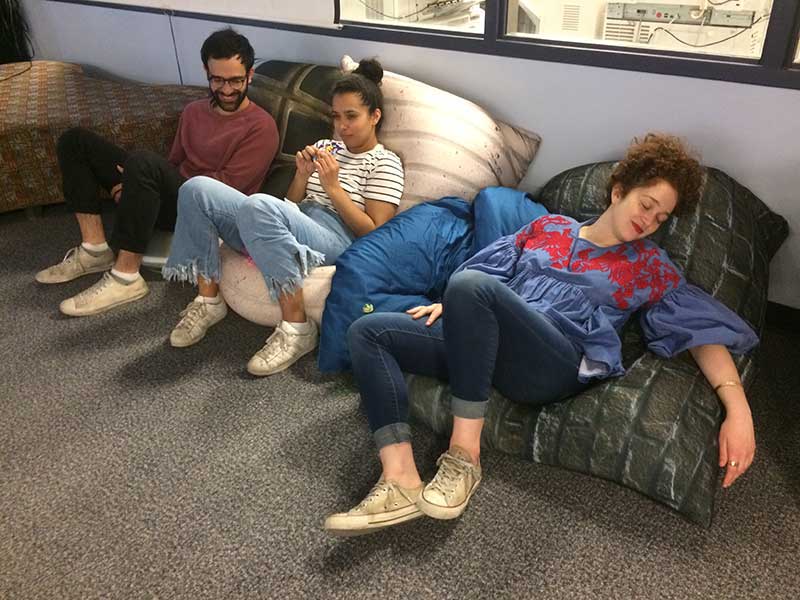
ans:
(734, 463)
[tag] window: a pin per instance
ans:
(745, 41)
(450, 15)
(735, 28)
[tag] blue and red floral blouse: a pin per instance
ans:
(589, 292)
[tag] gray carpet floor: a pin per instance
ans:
(129, 469)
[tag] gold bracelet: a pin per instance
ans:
(728, 384)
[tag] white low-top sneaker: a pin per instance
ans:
(104, 295)
(386, 505)
(76, 263)
(195, 321)
(283, 348)
(448, 494)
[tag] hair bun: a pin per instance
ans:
(371, 69)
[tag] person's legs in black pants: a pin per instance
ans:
(147, 187)
(149, 200)
(149, 197)
(88, 162)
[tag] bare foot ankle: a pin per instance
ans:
(409, 483)
(474, 453)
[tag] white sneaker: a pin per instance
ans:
(77, 262)
(104, 295)
(282, 350)
(196, 318)
(448, 494)
(386, 505)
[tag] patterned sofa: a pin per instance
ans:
(40, 100)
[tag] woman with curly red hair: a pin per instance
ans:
(536, 314)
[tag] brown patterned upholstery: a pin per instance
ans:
(655, 428)
(39, 104)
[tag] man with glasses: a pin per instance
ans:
(226, 137)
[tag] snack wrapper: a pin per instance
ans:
(330, 146)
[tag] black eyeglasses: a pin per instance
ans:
(236, 83)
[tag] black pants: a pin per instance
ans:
(150, 185)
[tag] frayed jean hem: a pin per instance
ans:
(308, 260)
(187, 273)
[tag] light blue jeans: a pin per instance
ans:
(285, 240)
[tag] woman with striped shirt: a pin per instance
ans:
(342, 189)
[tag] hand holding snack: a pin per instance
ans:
(328, 168)
(304, 160)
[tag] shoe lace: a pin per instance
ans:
(71, 255)
(192, 314)
(451, 471)
(98, 287)
(375, 493)
(276, 343)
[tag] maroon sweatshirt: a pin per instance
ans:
(236, 149)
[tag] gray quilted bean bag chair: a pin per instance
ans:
(654, 429)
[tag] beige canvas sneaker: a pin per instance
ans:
(195, 321)
(447, 495)
(77, 263)
(386, 505)
(104, 295)
(282, 350)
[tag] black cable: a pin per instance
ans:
(685, 43)
(421, 10)
(174, 45)
(712, 3)
(25, 70)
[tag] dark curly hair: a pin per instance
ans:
(660, 156)
(227, 43)
(364, 81)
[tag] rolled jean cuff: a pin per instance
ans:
(394, 433)
(468, 409)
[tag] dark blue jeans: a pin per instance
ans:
(487, 336)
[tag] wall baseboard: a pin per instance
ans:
(780, 316)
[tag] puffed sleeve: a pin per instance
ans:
(687, 317)
(498, 259)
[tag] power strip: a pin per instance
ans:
(679, 14)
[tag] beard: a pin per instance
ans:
(240, 96)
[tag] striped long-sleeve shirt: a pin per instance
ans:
(373, 175)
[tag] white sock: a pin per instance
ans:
(129, 277)
(296, 328)
(207, 300)
(96, 248)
